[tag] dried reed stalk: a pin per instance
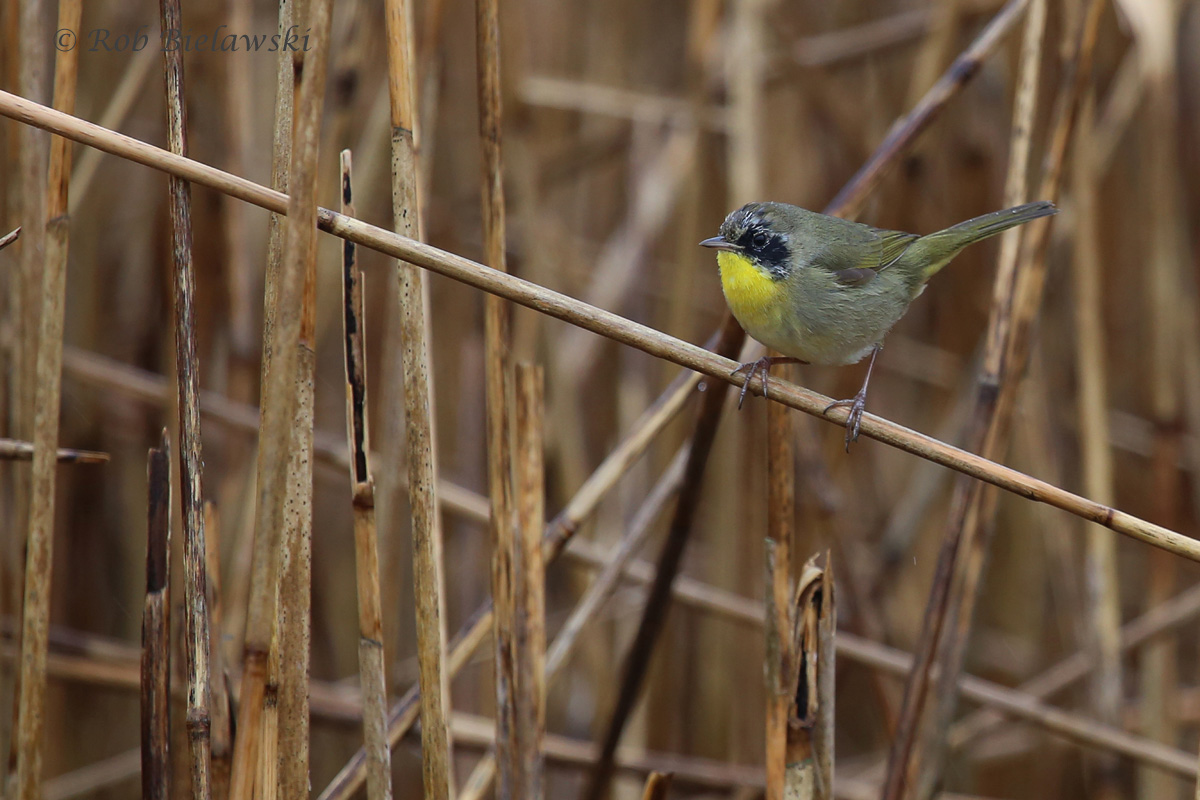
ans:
(13, 450)
(280, 402)
(46, 396)
(413, 297)
(800, 673)
(781, 534)
(657, 786)
(597, 320)
(372, 676)
(221, 705)
(188, 387)
(156, 628)
(1103, 629)
(530, 581)
(1156, 29)
(498, 389)
(293, 628)
(15, 234)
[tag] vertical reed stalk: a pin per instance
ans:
(220, 709)
(413, 297)
(1103, 624)
(264, 559)
(280, 402)
(156, 627)
(1156, 25)
(47, 394)
(188, 387)
(530, 577)
(293, 630)
(372, 677)
(781, 532)
(497, 382)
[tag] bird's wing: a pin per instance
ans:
(861, 252)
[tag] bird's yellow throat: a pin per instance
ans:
(755, 299)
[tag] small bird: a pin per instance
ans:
(823, 290)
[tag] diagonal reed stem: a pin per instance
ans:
(599, 321)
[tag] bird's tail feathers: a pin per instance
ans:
(955, 238)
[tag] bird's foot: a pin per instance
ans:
(857, 406)
(763, 365)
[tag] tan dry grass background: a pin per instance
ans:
(630, 130)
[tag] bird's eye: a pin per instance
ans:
(759, 240)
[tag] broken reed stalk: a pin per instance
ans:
(1102, 631)
(781, 533)
(372, 675)
(611, 566)
(279, 402)
(654, 611)
(188, 386)
(948, 614)
(220, 705)
(13, 450)
(156, 627)
(413, 297)
(530, 584)
(13, 235)
(498, 389)
(599, 321)
(558, 532)
(46, 397)
(800, 674)
(657, 786)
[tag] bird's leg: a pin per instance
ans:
(763, 365)
(856, 404)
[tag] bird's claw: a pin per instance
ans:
(857, 406)
(752, 368)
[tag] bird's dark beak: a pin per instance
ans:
(719, 243)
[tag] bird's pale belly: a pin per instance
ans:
(830, 330)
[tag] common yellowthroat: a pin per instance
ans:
(823, 290)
